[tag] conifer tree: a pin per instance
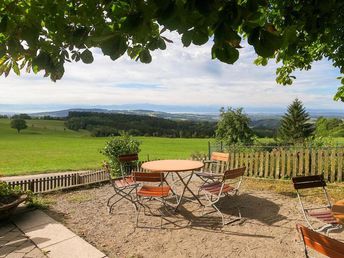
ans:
(295, 126)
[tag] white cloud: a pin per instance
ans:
(179, 76)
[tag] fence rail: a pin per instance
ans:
(48, 183)
(289, 163)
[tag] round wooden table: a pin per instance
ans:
(176, 166)
(338, 211)
(172, 165)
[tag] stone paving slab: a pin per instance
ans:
(54, 239)
(48, 234)
(32, 219)
(14, 243)
(81, 249)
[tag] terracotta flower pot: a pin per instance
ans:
(7, 210)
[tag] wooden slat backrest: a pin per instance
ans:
(234, 173)
(220, 156)
(321, 243)
(148, 177)
(303, 182)
(128, 157)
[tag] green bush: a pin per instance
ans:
(9, 194)
(124, 144)
(6, 190)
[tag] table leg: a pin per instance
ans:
(165, 178)
(186, 187)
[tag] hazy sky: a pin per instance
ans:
(176, 76)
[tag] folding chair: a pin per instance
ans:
(150, 192)
(321, 243)
(211, 174)
(124, 185)
(321, 212)
(228, 185)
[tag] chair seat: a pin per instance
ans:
(154, 191)
(209, 175)
(124, 181)
(215, 188)
(324, 215)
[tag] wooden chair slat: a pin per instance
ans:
(220, 156)
(234, 173)
(321, 243)
(128, 157)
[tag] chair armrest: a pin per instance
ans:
(209, 161)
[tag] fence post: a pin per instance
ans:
(209, 150)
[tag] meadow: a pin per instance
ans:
(47, 146)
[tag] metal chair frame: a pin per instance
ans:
(151, 177)
(214, 162)
(124, 185)
(308, 182)
(236, 175)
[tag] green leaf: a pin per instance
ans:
(261, 61)
(225, 53)
(267, 44)
(87, 56)
(200, 37)
(3, 23)
(114, 47)
(145, 56)
(340, 94)
(15, 68)
(7, 69)
(186, 38)
(161, 44)
(41, 61)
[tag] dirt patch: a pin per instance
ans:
(268, 228)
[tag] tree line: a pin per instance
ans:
(104, 124)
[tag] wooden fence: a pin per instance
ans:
(289, 163)
(48, 183)
(278, 164)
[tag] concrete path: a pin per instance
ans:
(35, 231)
(14, 243)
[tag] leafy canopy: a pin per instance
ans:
(295, 126)
(43, 35)
(233, 127)
(19, 124)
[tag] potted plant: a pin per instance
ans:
(10, 198)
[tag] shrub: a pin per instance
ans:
(125, 144)
(9, 194)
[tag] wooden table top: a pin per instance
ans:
(172, 165)
(338, 211)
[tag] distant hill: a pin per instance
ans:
(159, 114)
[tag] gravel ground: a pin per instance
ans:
(266, 230)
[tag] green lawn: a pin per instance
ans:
(46, 146)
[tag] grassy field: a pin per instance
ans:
(46, 146)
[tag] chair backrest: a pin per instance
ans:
(219, 156)
(148, 177)
(128, 157)
(304, 182)
(234, 173)
(128, 163)
(321, 243)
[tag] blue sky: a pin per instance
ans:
(176, 76)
